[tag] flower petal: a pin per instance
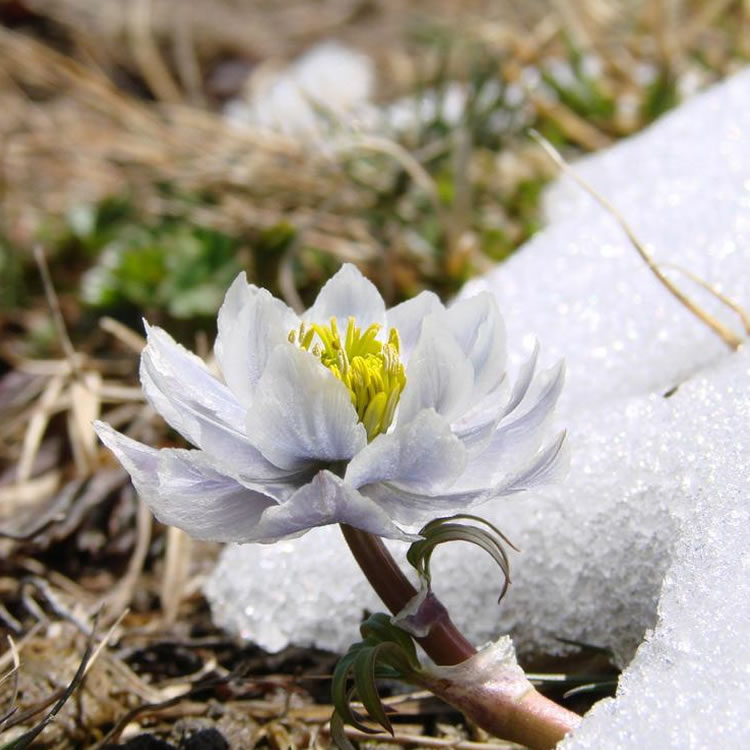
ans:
(439, 375)
(411, 508)
(478, 327)
(548, 466)
(517, 440)
(423, 454)
(251, 324)
(302, 413)
(408, 317)
(325, 500)
(183, 489)
(476, 426)
(408, 507)
(523, 381)
(180, 387)
(348, 294)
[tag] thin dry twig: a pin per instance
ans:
(54, 303)
(176, 570)
(726, 334)
(122, 595)
(733, 305)
(146, 53)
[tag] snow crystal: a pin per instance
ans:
(648, 535)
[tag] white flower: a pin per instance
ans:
(351, 413)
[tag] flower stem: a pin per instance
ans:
(518, 713)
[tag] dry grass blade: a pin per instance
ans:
(46, 406)
(733, 305)
(54, 303)
(122, 333)
(25, 536)
(122, 595)
(13, 673)
(146, 52)
(154, 707)
(27, 738)
(176, 571)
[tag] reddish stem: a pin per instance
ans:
(530, 719)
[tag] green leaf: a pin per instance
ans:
(442, 530)
(337, 733)
(363, 671)
(385, 651)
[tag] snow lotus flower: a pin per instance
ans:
(348, 413)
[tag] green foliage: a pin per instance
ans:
(385, 652)
(583, 93)
(660, 96)
(481, 533)
(11, 276)
(181, 269)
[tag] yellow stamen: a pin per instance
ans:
(369, 368)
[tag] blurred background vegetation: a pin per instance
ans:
(118, 157)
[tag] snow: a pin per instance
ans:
(644, 548)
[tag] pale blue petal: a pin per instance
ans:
(348, 294)
(517, 439)
(422, 454)
(475, 427)
(409, 507)
(523, 381)
(183, 489)
(302, 413)
(439, 376)
(550, 465)
(408, 317)
(166, 361)
(180, 387)
(325, 500)
(251, 323)
(478, 328)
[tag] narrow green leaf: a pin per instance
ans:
(363, 672)
(338, 735)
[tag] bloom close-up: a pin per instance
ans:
(348, 413)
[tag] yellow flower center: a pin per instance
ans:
(369, 368)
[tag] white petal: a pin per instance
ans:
(251, 324)
(478, 327)
(183, 489)
(180, 387)
(523, 381)
(516, 441)
(167, 361)
(475, 427)
(325, 500)
(405, 506)
(439, 376)
(302, 413)
(423, 454)
(348, 293)
(550, 465)
(408, 317)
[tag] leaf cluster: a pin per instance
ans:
(385, 652)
